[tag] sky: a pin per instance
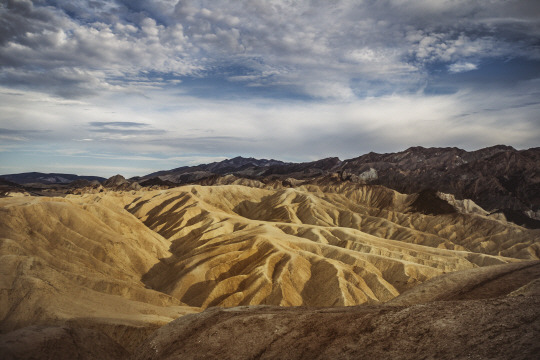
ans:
(132, 86)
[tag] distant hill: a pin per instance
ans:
(48, 179)
(498, 178)
(237, 165)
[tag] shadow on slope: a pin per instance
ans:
(311, 246)
(498, 324)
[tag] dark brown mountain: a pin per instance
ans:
(498, 178)
(48, 179)
(237, 165)
(305, 170)
(118, 182)
(156, 181)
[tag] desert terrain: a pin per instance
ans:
(269, 179)
(98, 272)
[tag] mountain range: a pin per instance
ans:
(498, 178)
(197, 271)
(250, 258)
(47, 179)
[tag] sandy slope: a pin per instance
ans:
(124, 263)
(237, 245)
(121, 264)
(79, 260)
(487, 313)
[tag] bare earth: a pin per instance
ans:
(97, 274)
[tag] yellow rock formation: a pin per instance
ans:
(142, 258)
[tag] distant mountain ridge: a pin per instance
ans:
(187, 174)
(498, 178)
(43, 178)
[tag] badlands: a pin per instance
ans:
(263, 270)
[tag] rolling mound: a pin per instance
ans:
(312, 246)
(501, 323)
(487, 329)
(79, 261)
(123, 263)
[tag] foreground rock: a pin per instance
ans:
(494, 313)
(492, 316)
(505, 328)
(41, 342)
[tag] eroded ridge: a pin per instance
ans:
(315, 246)
(126, 262)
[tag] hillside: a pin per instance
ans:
(499, 178)
(126, 262)
(500, 323)
(311, 245)
(80, 261)
(503, 326)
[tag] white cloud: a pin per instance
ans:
(362, 66)
(462, 67)
(302, 42)
(293, 131)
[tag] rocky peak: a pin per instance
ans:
(115, 180)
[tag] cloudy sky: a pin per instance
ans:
(132, 86)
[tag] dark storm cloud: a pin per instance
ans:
(21, 17)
